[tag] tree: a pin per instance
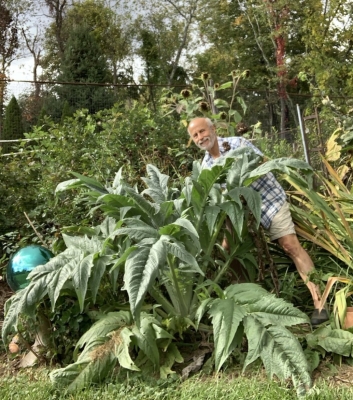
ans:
(13, 127)
(8, 48)
(109, 29)
(83, 63)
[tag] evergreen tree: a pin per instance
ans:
(13, 126)
(84, 63)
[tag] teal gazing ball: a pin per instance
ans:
(23, 262)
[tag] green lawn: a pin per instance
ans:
(33, 384)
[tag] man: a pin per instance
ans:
(275, 214)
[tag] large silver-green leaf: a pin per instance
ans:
(275, 311)
(279, 350)
(105, 325)
(157, 184)
(141, 268)
(80, 276)
(81, 375)
(264, 306)
(87, 245)
(284, 165)
(252, 198)
(122, 340)
(244, 162)
(145, 336)
(226, 316)
(178, 250)
(150, 209)
(136, 230)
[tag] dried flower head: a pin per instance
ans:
(216, 85)
(235, 73)
(205, 76)
(204, 106)
(223, 115)
(186, 93)
(226, 146)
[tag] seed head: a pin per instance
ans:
(204, 106)
(186, 93)
(205, 76)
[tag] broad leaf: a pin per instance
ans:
(226, 316)
(141, 268)
(280, 352)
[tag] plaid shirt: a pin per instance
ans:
(272, 194)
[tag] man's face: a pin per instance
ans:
(202, 134)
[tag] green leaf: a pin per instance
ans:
(82, 374)
(99, 266)
(80, 276)
(157, 184)
(252, 198)
(226, 316)
(141, 268)
(69, 184)
(280, 352)
(91, 183)
(171, 356)
(121, 349)
(211, 213)
(145, 337)
(178, 250)
(335, 341)
(150, 209)
(108, 323)
(136, 230)
(283, 165)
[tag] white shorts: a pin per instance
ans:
(282, 223)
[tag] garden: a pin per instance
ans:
(138, 297)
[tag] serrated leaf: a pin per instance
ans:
(80, 276)
(81, 375)
(145, 337)
(105, 325)
(171, 356)
(69, 184)
(272, 310)
(141, 268)
(91, 183)
(121, 349)
(136, 230)
(283, 165)
(226, 316)
(157, 184)
(150, 209)
(178, 250)
(252, 198)
(211, 213)
(99, 267)
(87, 245)
(280, 352)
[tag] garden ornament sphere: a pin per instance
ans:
(23, 262)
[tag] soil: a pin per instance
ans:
(334, 375)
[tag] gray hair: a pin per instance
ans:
(208, 122)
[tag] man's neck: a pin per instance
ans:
(214, 152)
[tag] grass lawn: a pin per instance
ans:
(34, 384)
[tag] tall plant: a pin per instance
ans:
(163, 241)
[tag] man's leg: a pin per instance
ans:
(303, 263)
(282, 229)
